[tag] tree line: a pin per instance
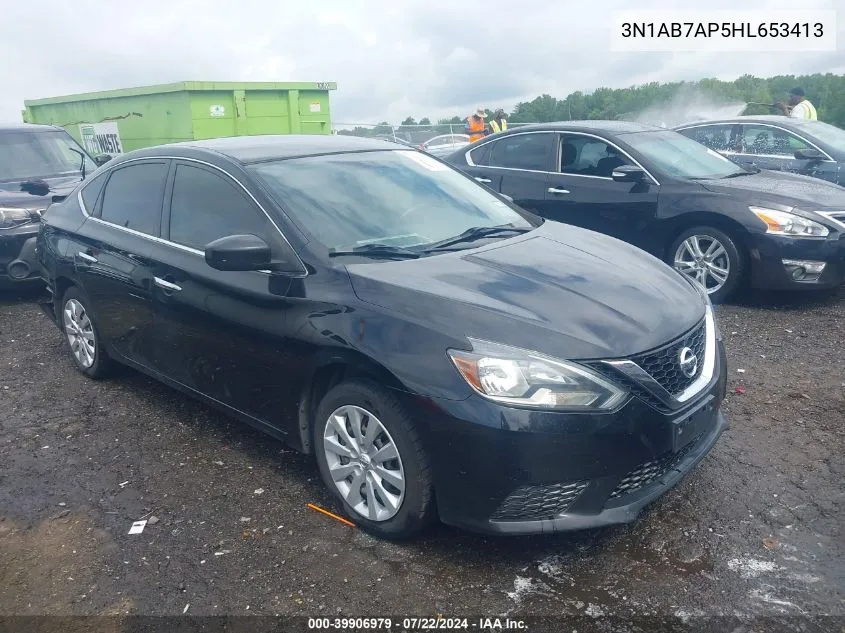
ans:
(825, 91)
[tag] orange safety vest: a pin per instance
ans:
(476, 128)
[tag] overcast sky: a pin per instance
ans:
(390, 59)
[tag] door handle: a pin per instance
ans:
(86, 257)
(166, 285)
(484, 180)
(557, 190)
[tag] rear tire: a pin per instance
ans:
(711, 257)
(82, 335)
(358, 426)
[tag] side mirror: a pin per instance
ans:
(102, 159)
(628, 173)
(238, 252)
(809, 154)
(506, 197)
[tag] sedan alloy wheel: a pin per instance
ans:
(704, 259)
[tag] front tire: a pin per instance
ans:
(711, 257)
(372, 459)
(82, 336)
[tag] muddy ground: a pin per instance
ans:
(756, 529)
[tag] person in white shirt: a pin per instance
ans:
(798, 106)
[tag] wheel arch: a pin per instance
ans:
(703, 218)
(327, 369)
(61, 285)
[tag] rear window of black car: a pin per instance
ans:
(133, 195)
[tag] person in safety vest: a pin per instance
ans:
(475, 126)
(798, 106)
(499, 122)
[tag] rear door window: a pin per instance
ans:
(206, 206)
(133, 196)
(523, 151)
(481, 154)
(720, 138)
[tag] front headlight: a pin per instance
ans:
(521, 377)
(783, 223)
(11, 217)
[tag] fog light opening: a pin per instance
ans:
(804, 271)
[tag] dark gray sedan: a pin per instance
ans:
(812, 148)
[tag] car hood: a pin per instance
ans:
(35, 196)
(561, 290)
(782, 188)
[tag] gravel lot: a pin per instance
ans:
(757, 529)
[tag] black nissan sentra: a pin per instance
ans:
(440, 351)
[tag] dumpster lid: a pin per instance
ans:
(188, 86)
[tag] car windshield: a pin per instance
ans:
(826, 133)
(681, 157)
(26, 155)
(397, 198)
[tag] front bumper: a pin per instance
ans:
(769, 251)
(514, 471)
(17, 257)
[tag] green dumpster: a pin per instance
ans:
(119, 121)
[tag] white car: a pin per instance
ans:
(445, 144)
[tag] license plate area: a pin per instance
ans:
(688, 427)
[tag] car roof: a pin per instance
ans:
(613, 127)
(27, 127)
(762, 118)
(252, 149)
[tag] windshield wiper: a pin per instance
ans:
(82, 165)
(385, 251)
(741, 173)
(473, 234)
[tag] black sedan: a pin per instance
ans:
(713, 220)
(38, 164)
(441, 351)
(812, 148)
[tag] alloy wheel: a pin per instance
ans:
(364, 463)
(704, 259)
(80, 333)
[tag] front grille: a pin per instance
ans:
(650, 471)
(664, 365)
(531, 503)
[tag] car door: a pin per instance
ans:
(220, 333)
(112, 257)
(518, 165)
(582, 191)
